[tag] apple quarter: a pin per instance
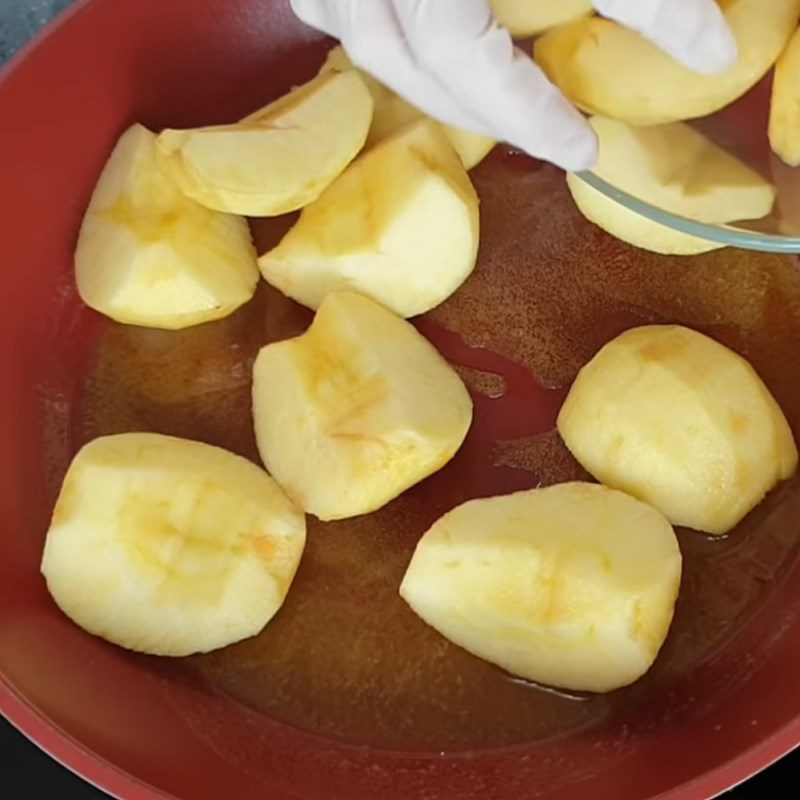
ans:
(356, 410)
(400, 225)
(572, 586)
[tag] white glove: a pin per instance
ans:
(453, 61)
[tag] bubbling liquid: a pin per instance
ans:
(345, 657)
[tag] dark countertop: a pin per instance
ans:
(21, 764)
(20, 19)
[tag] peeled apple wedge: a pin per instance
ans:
(784, 118)
(678, 169)
(170, 547)
(392, 113)
(357, 410)
(788, 202)
(148, 255)
(675, 168)
(571, 586)
(471, 147)
(605, 68)
(400, 225)
(681, 422)
(633, 228)
(278, 159)
(529, 17)
(337, 60)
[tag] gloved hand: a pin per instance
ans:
(453, 61)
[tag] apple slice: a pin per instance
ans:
(278, 159)
(784, 118)
(571, 586)
(681, 422)
(675, 168)
(392, 114)
(357, 410)
(471, 147)
(529, 17)
(148, 255)
(678, 169)
(631, 227)
(400, 225)
(608, 69)
(787, 209)
(170, 547)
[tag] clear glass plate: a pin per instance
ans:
(741, 129)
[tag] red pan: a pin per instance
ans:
(347, 695)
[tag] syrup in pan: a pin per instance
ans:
(345, 657)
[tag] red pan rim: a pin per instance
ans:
(105, 776)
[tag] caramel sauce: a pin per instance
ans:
(345, 657)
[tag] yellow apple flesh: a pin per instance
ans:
(572, 586)
(357, 410)
(148, 255)
(681, 422)
(784, 119)
(529, 17)
(605, 68)
(676, 169)
(170, 547)
(400, 225)
(278, 159)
